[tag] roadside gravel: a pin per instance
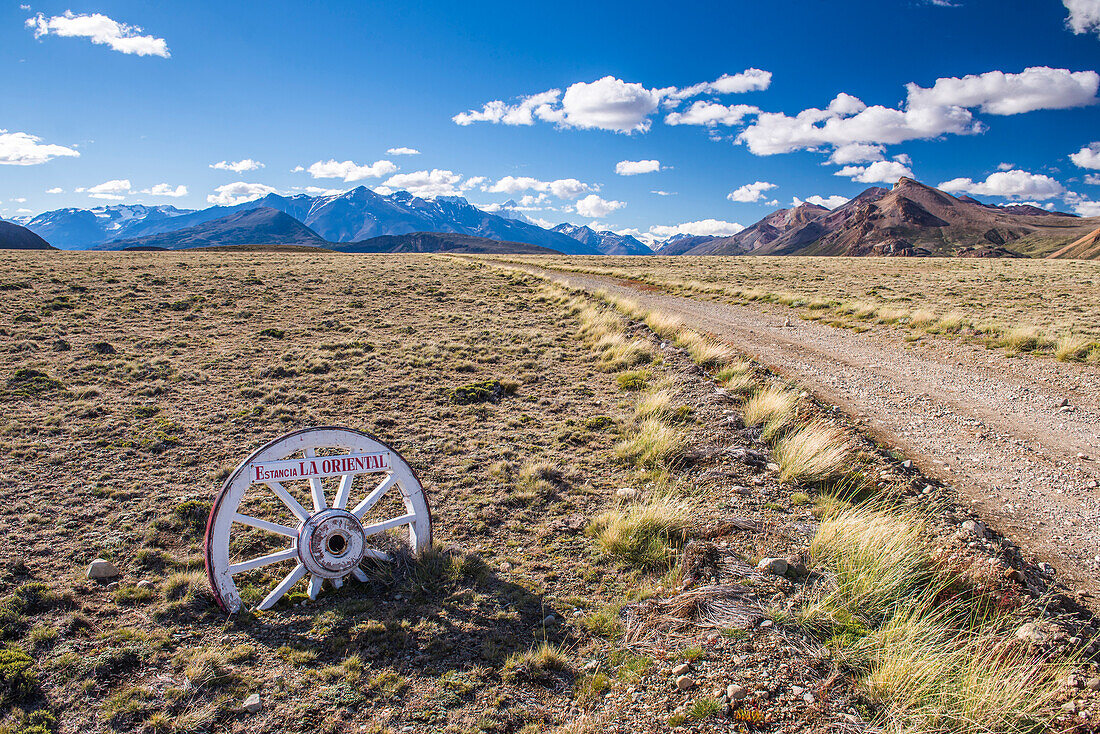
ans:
(1018, 438)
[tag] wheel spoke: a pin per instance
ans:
(315, 586)
(363, 507)
(337, 583)
(317, 489)
(343, 491)
(359, 574)
(272, 527)
(276, 557)
(292, 504)
(376, 555)
(284, 586)
(393, 522)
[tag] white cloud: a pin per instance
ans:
(1005, 166)
(402, 151)
(99, 29)
(839, 126)
(713, 227)
(751, 192)
(21, 149)
(318, 191)
(658, 192)
(1093, 179)
(1007, 184)
(605, 104)
(1087, 208)
(426, 184)
(877, 172)
(1087, 157)
(563, 188)
(750, 80)
(829, 202)
(55, 190)
(593, 206)
(239, 193)
(1084, 15)
(857, 153)
(163, 189)
(711, 114)
(633, 168)
(998, 93)
(350, 171)
(20, 199)
(245, 164)
(113, 190)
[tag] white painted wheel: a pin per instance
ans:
(262, 534)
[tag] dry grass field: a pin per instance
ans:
(1021, 305)
(612, 495)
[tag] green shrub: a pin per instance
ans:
(18, 680)
(30, 383)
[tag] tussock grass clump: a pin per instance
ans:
(1070, 348)
(663, 325)
(814, 453)
(537, 664)
(772, 407)
(655, 404)
(651, 444)
(617, 352)
(921, 319)
(704, 351)
(634, 379)
(1022, 339)
(642, 535)
(951, 323)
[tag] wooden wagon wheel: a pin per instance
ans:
(328, 541)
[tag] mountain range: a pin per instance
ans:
(911, 219)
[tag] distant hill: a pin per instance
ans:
(261, 226)
(608, 243)
(1086, 248)
(15, 237)
(681, 244)
(440, 242)
(757, 237)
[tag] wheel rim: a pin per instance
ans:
(269, 494)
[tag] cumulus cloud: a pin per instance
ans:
(239, 193)
(877, 172)
(998, 93)
(563, 188)
(659, 192)
(829, 202)
(711, 114)
(245, 164)
(1093, 179)
(349, 170)
(524, 112)
(1008, 184)
(712, 227)
(55, 190)
(21, 149)
(750, 80)
(633, 168)
(857, 153)
(402, 151)
(426, 184)
(751, 192)
(163, 189)
(1084, 15)
(113, 190)
(1087, 157)
(1005, 166)
(99, 29)
(593, 206)
(1087, 208)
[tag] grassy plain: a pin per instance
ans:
(1019, 304)
(587, 478)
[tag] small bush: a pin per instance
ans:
(1072, 348)
(634, 380)
(272, 333)
(537, 664)
(479, 392)
(18, 680)
(32, 383)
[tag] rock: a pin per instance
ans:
(684, 682)
(796, 566)
(253, 704)
(626, 493)
(101, 569)
(1093, 684)
(1016, 575)
(549, 618)
(771, 466)
(907, 464)
(778, 566)
(1046, 569)
(145, 584)
(112, 586)
(809, 698)
(1070, 707)
(1062, 403)
(735, 692)
(1038, 633)
(681, 669)
(591, 665)
(973, 527)
(505, 567)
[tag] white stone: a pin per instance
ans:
(681, 669)
(735, 692)
(253, 704)
(101, 569)
(626, 493)
(778, 566)
(684, 682)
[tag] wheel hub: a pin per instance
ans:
(331, 543)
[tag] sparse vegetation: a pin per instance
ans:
(642, 535)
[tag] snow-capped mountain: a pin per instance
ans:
(608, 243)
(348, 217)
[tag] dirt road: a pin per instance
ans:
(1018, 438)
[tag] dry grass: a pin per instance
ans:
(1072, 348)
(704, 351)
(813, 453)
(642, 535)
(651, 444)
(772, 407)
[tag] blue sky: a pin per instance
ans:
(126, 102)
